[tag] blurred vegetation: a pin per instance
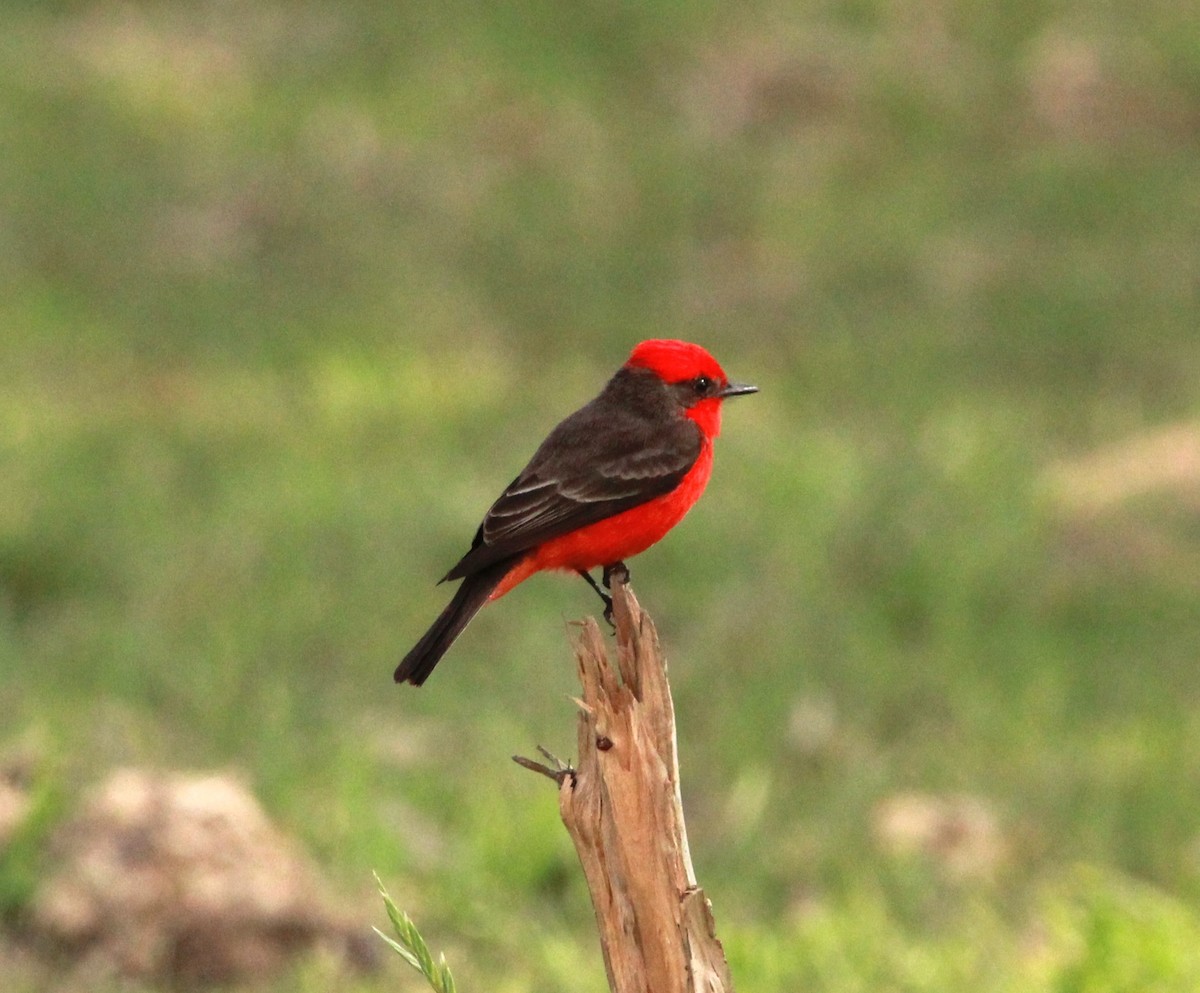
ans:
(288, 293)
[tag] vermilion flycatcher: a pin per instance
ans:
(606, 484)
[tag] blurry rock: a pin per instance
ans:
(1102, 87)
(183, 878)
(1068, 85)
(959, 834)
(768, 83)
(1166, 460)
(1130, 505)
(18, 769)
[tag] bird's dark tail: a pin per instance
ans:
(468, 598)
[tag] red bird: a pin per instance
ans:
(606, 484)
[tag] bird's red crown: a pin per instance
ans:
(675, 361)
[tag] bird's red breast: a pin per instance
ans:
(615, 538)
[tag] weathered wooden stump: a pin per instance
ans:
(623, 809)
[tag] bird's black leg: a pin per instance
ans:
(599, 592)
(618, 569)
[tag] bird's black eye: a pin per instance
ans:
(702, 385)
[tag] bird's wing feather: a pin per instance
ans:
(579, 476)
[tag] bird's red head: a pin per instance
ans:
(675, 361)
(702, 381)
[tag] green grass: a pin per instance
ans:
(287, 295)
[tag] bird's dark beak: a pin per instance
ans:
(738, 390)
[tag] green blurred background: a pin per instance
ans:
(289, 292)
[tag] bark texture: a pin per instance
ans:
(623, 810)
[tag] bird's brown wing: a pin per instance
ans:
(593, 465)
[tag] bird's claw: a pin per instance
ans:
(608, 613)
(619, 570)
(615, 569)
